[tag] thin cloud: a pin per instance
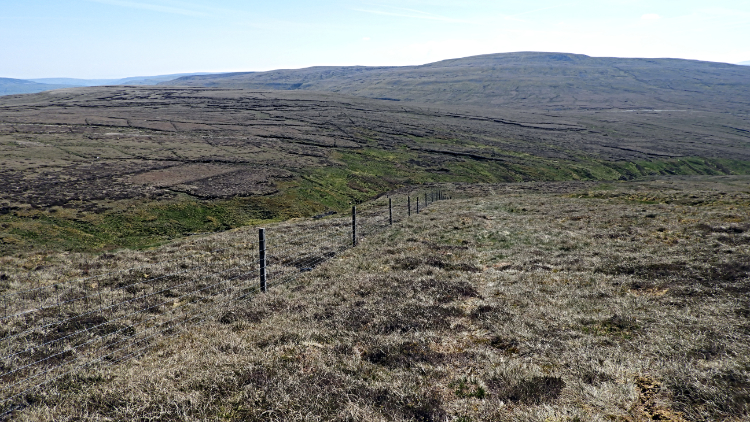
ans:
(420, 12)
(152, 7)
(415, 15)
(744, 23)
(544, 8)
(650, 17)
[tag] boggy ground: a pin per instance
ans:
(622, 302)
(96, 169)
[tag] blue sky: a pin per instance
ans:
(118, 38)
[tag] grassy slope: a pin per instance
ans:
(363, 175)
(527, 80)
(622, 301)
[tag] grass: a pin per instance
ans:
(130, 224)
(99, 169)
(624, 301)
(363, 175)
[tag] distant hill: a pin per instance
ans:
(526, 79)
(747, 63)
(9, 86)
(75, 81)
(133, 80)
(153, 80)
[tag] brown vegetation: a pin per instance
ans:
(100, 168)
(528, 80)
(561, 302)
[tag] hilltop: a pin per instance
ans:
(547, 81)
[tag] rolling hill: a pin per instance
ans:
(10, 86)
(523, 302)
(578, 294)
(132, 80)
(526, 79)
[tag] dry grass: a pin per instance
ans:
(529, 302)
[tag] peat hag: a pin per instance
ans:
(105, 167)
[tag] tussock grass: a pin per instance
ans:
(519, 302)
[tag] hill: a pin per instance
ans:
(525, 302)
(132, 80)
(106, 167)
(527, 80)
(9, 86)
(74, 82)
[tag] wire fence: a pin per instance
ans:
(54, 331)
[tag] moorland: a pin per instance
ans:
(592, 263)
(528, 80)
(106, 167)
(585, 301)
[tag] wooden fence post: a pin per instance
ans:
(262, 255)
(390, 212)
(354, 225)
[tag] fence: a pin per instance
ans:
(54, 331)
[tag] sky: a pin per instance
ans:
(120, 38)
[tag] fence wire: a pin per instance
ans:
(55, 331)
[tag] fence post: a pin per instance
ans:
(417, 204)
(408, 205)
(354, 225)
(262, 254)
(390, 212)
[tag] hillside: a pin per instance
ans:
(547, 81)
(527, 302)
(132, 80)
(9, 86)
(102, 168)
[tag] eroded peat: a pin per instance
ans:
(96, 169)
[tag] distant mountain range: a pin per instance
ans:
(9, 86)
(747, 63)
(527, 79)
